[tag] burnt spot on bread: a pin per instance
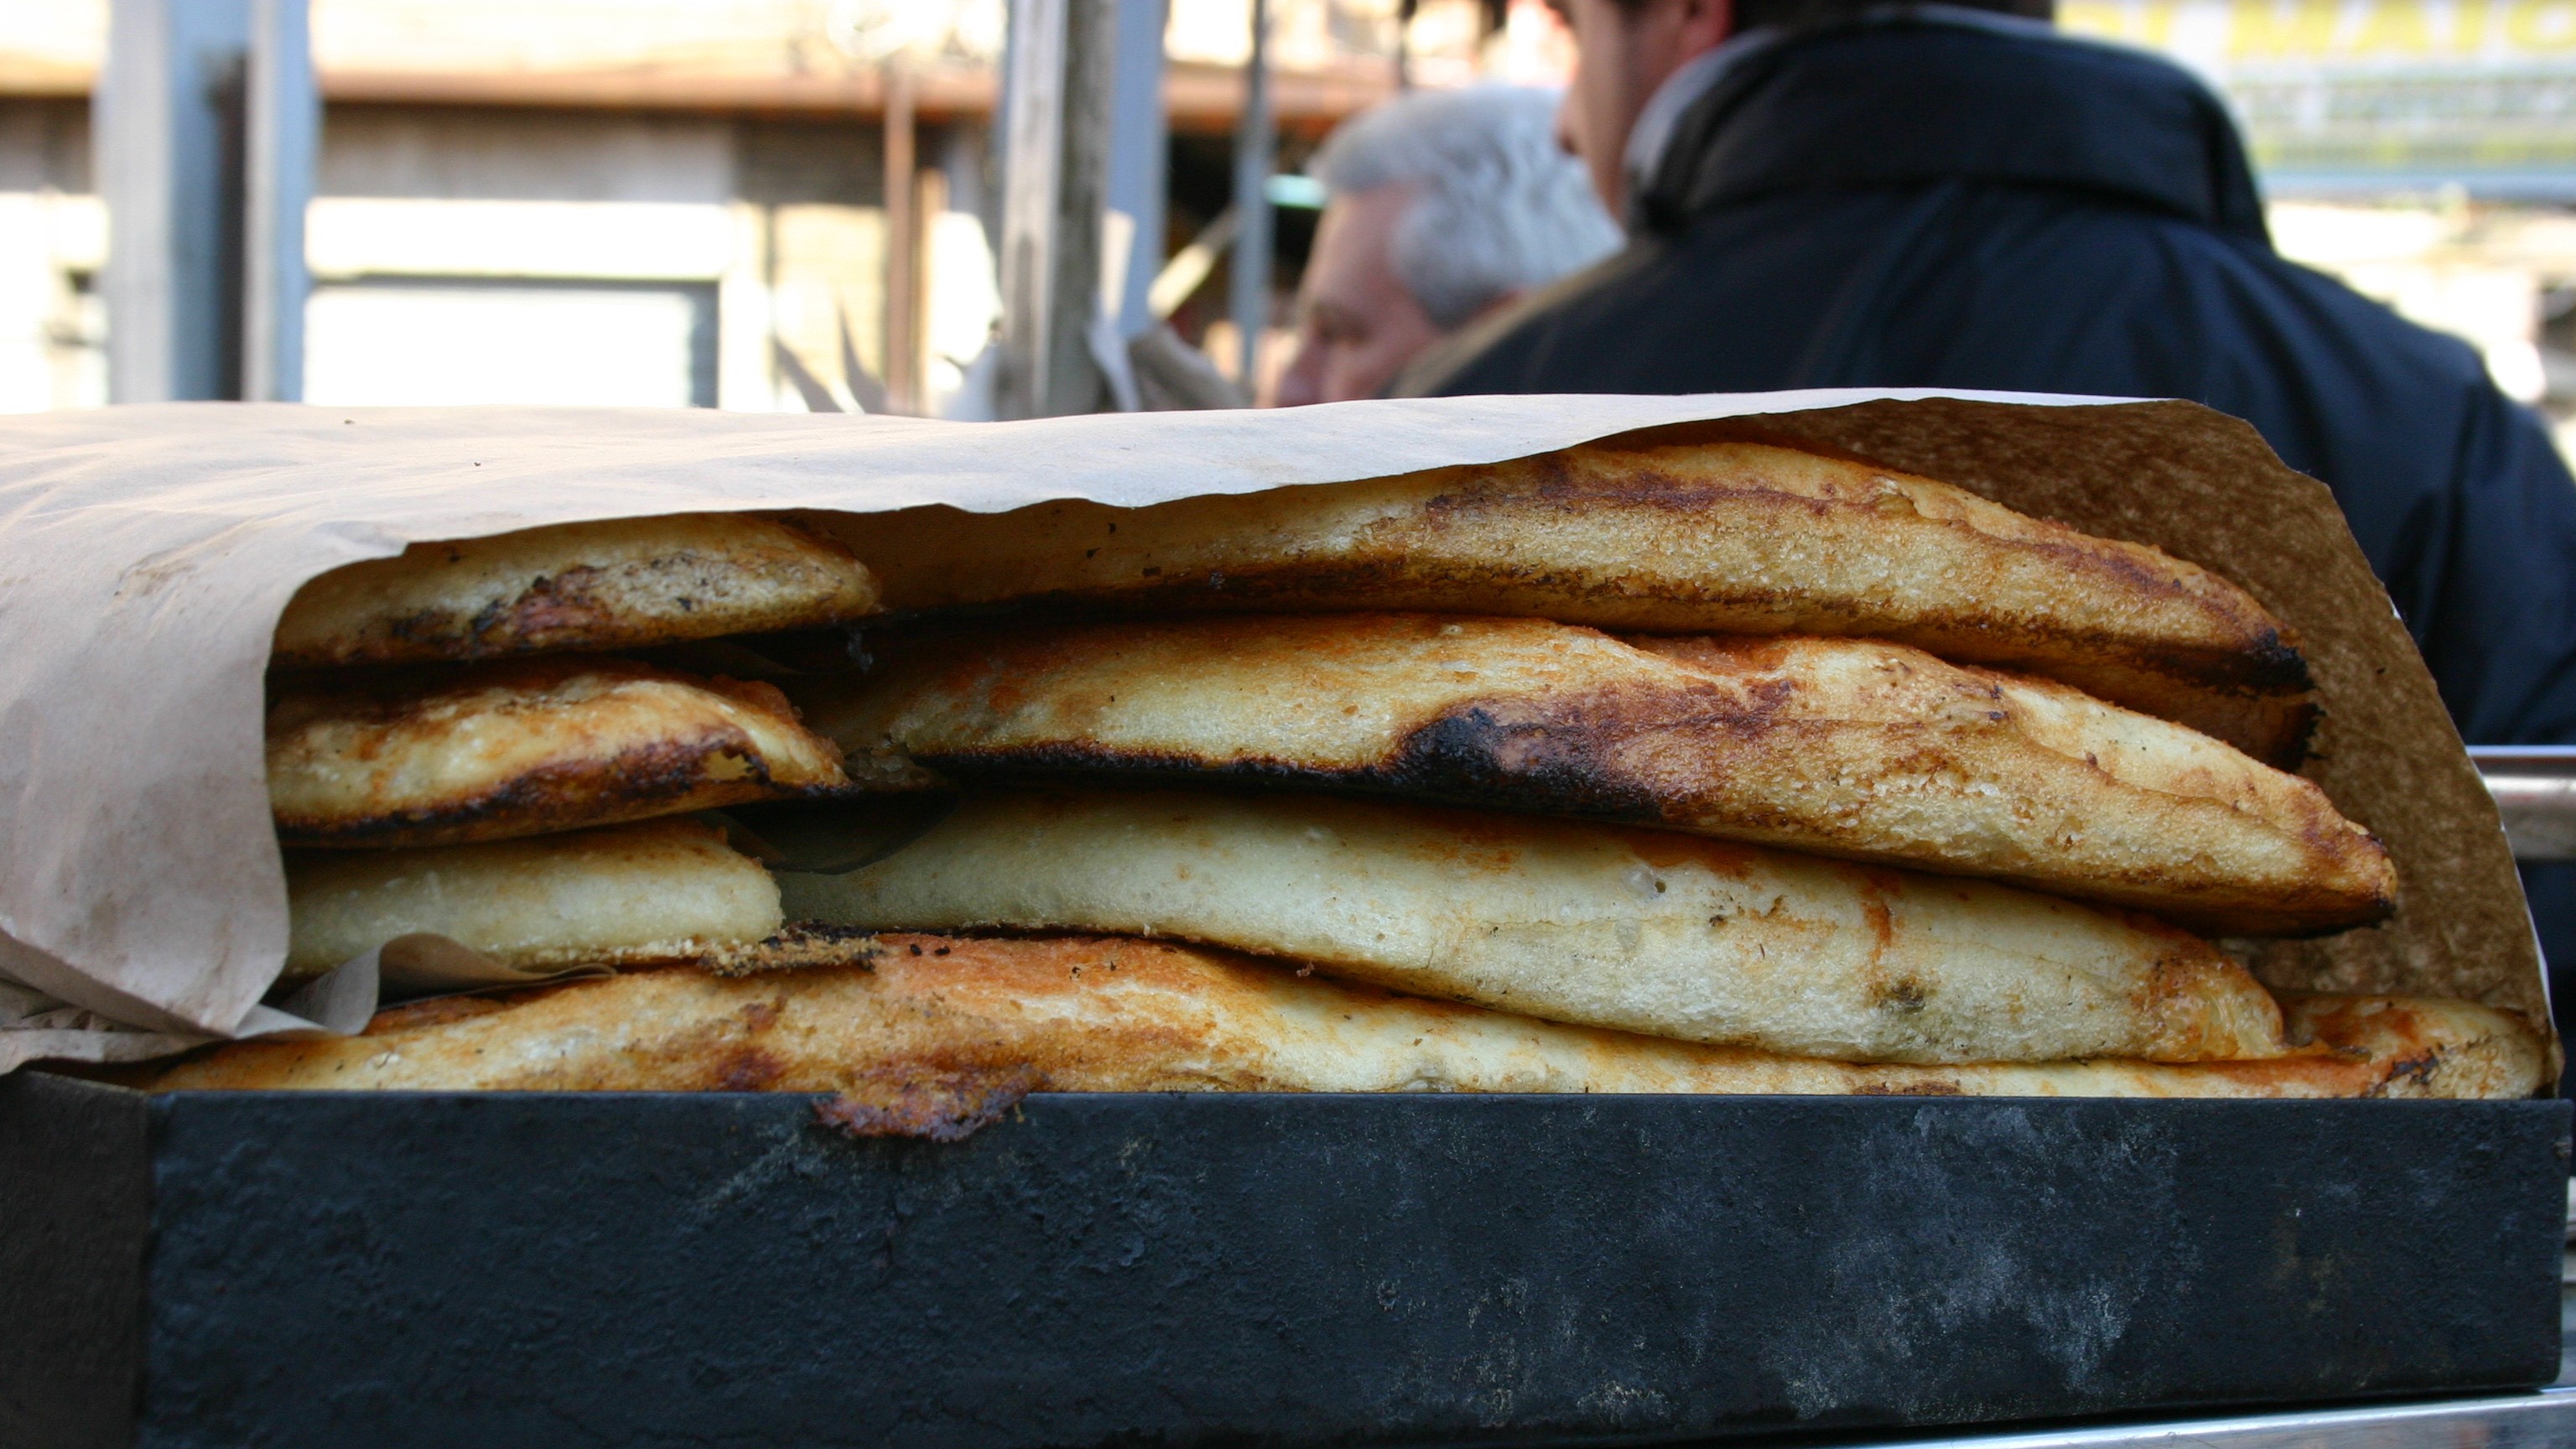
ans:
(746, 1069)
(802, 946)
(934, 1106)
(1903, 996)
(2419, 1069)
(550, 608)
(1559, 757)
(1553, 760)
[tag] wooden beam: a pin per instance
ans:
(1200, 99)
(902, 243)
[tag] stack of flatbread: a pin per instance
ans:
(491, 745)
(1722, 768)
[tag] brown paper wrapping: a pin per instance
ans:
(145, 554)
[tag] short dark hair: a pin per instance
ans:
(1816, 14)
(1812, 14)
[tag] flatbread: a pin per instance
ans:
(1636, 930)
(521, 747)
(666, 890)
(618, 584)
(1727, 538)
(1852, 747)
(934, 1014)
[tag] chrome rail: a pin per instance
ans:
(2535, 789)
(2540, 1419)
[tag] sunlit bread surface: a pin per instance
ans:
(520, 747)
(1638, 930)
(1853, 747)
(616, 584)
(660, 891)
(1103, 1015)
(1737, 538)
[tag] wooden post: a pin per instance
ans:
(1056, 134)
(902, 242)
(1254, 151)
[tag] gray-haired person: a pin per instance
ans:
(1441, 205)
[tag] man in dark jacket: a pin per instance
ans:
(1943, 197)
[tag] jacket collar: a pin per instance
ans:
(1918, 93)
(1651, 138)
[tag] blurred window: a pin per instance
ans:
(431, 341)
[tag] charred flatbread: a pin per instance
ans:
(1853, 747)
(521, 747)
(1636, 930)
(936, 1016)
(618, 584)
(664, 890)
(1732, 538)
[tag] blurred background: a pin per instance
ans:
(791, 204)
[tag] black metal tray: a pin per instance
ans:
(642, 1270)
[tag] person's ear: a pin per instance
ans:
(1704, 23)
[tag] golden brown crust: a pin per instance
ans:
(1076, 1014)
(617, 584)
(1733, 538)
(521, 747)
(1637, 930)
(662, 890)
(1857, 748)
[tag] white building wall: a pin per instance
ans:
(489, 255)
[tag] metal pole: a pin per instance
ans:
(284, 135)
(1253, 152)
(1138, 142)
(167, 125)
(903, 239)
